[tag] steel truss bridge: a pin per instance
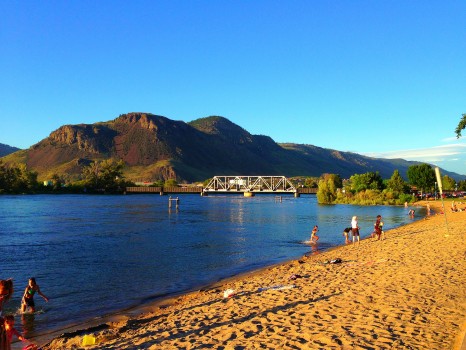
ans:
(250, 184)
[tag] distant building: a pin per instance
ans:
(143, 183)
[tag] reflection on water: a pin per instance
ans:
(96, 254)
(28, 324)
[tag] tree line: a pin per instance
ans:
(371, 189)
(106, 176)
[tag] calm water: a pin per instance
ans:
(93, 255)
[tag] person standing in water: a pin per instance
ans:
(28, 296)
(314, 237)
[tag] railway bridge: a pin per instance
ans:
(250, 185)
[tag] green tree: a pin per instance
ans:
(17, 179)
(158, 183)
(311, 182)
(328, 188)
(337, 181)
(461, 126)
(29, 178)
(90, 175)
(422, 176)
(171, 183)
(462, 185)
(448, 183)
(367, 181)
(56, 181)
(396, 183)
(106, 175)
(112, 174)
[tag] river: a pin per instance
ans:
(93, 255)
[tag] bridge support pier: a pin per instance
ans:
(176, 200)
(297, 195)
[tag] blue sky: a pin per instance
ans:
(381, 78)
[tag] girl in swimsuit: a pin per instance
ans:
(28, 296)
(314, 237)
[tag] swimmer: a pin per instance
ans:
(28, 296)
(314, 237)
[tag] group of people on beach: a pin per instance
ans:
(7, 322)
(454, 207)
(352, 232)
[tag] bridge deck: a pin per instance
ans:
(198, 190)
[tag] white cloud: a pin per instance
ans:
(432, 154)
(450, 139)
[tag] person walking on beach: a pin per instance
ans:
(378, 227)
(28, 296)
(355, 229)
(314, 237)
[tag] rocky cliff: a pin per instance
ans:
(154, 147)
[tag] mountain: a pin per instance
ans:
(154, 147)
(6, 150)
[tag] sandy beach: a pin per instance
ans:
(404, 292)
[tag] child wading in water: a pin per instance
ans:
(28, 296)
(314, 237)
(346, 233)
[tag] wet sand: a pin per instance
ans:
(404, 292)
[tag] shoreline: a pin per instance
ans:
(113, 329)
(99, 322)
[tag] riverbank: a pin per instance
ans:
(406, 291)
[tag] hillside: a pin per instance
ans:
(155, 147)
(6, 150)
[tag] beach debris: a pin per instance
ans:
(295, 276)
(277, 287)
(229, 293)
(334, 261)
(88, 339)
